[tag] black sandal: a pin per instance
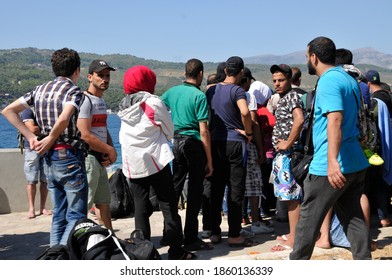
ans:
(198, 245)
(184, 255)
(245, 243)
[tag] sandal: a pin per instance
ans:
(280, 247)
(198, 245)
(185, 255)
(245, 243)
(282, 237)
(216, 239)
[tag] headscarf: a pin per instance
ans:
(139, 78)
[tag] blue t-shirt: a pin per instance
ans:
(225, 114)
(365, 93)
(335, 92)
(27, 115)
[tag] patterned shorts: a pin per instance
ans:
(253, 185)
(285, 186)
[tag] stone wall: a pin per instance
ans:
(13, 197)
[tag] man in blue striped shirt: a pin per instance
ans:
(56, 106)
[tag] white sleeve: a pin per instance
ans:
(252, 103)
(85, 108)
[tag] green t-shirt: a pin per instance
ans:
(188, 106)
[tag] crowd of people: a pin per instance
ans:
(233, 147)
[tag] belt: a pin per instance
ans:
(62, 146)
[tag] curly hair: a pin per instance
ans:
(65, 62)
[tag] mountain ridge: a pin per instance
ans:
(366, 55)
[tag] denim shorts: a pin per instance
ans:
(34, 167)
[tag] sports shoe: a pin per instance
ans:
(246, 234)
(259, 228)
(206, 234)
(376, 160)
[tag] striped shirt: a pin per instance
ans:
(48, 100)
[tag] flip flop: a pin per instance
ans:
(198, 245)
(185, 255)
(282, 237)
(280, 247)
(245, 243)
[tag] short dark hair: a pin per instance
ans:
(296, 74)
(324, 48)
(65, 62)
(193, 67)
(211, 79)
(343, 56)
(220, 72)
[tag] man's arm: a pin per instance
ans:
(32, 126)
(334, 136)
(61, 124)
(298, 120)
(206, 140)
(95, 144)
(257, 136)
(11, 113)
(245, 116)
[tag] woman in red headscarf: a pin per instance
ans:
(146, 129)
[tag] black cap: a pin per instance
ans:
(284, 68)
(234, 65)
(98, 65)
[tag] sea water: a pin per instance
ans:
(8, 135)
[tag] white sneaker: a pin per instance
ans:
(259, 228)
(246, 234)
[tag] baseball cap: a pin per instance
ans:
(284, 68)
(248, 74)
(373, 76)
(98, 65)
(234, 64)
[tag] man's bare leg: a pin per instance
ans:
(323, 241)
(43, 189)
(31, 190)
(102, 211)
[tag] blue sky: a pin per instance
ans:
(209, 30)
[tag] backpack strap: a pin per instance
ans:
(120, 247)
(308, 147)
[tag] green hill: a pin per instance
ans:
(23, 69)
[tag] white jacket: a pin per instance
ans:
(146, 129)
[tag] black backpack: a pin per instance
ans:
(90, 241)
(373, 142)
(121, 203)
(56, 252)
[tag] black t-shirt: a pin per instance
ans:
(386, 97)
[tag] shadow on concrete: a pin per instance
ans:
(23, 246)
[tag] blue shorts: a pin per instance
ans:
(34, 167)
